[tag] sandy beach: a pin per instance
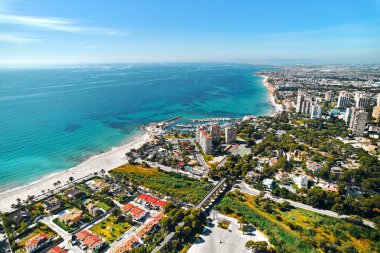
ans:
(107, 161)
(277, 106)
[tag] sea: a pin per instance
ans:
(52, 119)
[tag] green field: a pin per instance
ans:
(39, 229)
(299, 230)
(110, 228)
(165, 183)
(103, 205)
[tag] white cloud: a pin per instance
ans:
(12, 38)
(55, 24)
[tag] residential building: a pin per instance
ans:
(71, 216)
(204, 139)
(313, 166)
(347, 115)
(52, 204)
(300, 99)
(268, 183)
(358, 121)
(147, 199)
(136, 212)
(376, 113)
(93, 209)
(75, 193)
(362, 100)
(57, 249)
(215, 132)
(126, 245)
(378, 100)
(328, 96)
(148, 227)
(316, 111)
(343, 99)
(301, 181)
(37, 243)
(230, 134)
(89, 241)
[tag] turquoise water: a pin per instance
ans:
(52, 119)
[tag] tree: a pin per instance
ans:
(257, 247)
(71, 179)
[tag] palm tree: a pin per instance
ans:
(55, 184)
(71, 179)
(59, 183)
(102, 172)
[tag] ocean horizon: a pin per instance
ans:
(55, 118)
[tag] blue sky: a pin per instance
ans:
(252, 31)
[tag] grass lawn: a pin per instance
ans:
(166, 183)
(299, 230)
(40, 229)
(103, 206)
(110, 229)
(64, 226)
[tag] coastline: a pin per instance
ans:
(278, 107)
(107, 160)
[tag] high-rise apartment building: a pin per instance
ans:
(343, 99)
(230, 134)
(358, 121)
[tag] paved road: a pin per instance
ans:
(166, 240)
(245, 188)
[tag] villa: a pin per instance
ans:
(71, 216)
(52, 204)
(37, 243)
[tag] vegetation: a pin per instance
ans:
(297, 230)
(18, 243)
(111, 228)
(224, 224)
(175, 185)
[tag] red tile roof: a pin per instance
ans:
(160, 203)
(128, 207)
(39, 239)
(57, 249)
(89, 239)
(82, 235)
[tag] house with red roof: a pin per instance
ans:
(37, 243)
(89, 241)
(136, 212)
(57, 249)
(126, 245)
(147, 199)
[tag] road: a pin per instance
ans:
(166, 240)
(245, 188)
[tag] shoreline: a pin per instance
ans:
(278, 107)
(107, 160)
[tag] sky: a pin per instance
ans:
(38, 32)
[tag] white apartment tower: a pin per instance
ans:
(358, 121)
(300, 99)
(344, 99)
(328, 96)
(204, 139)
(362, 100)
(316, 112)
(230, 134)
